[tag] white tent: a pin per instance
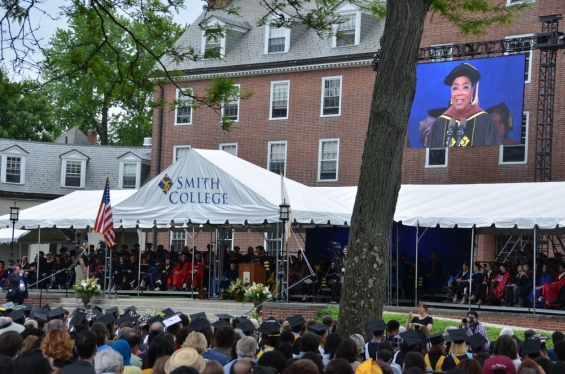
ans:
(6, 235)
(210, 186)
(77, 209)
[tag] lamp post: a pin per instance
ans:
(284, 209)
(14, 217)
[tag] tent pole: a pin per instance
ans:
(416, 276)
(192, 268)
(472, 265)
(535, 252)
(38, 274)
(139, 240)
(20, 245)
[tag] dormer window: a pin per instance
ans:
(13, 165)
(130, 171)
(223, 34)
(348, 31)
(277, 40)
(73, 169)
(214, 46)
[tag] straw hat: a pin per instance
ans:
(185, 357)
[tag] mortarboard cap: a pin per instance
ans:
(96, 311)
(296, 320)
(200, 315)
(437, 338)
(46, 307)
(269, 329)
(112, 310)
(531, 347)
(17, 315)
(124, 318)
(422, 336)
(167, 312)
(476, 341)
(56, 313)
(377, 327)
(463, 70)
(319, 329)
(106, 319)
(410, 337)
(245, 326)
(224, 316)
(197, 324)
(458, 336)
(130, 308)
(171, 320)
(27, 308)
(219, 323)
(78, 318)
(39, 315)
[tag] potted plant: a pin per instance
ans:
(86, 289)
(236, 289)
(257, 293)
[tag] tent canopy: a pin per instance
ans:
(6, 235)
(215, 187)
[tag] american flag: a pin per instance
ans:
(104, 223)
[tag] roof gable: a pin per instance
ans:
(74, 154)
(15, 150)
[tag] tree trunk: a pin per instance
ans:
(104, 123)
(381, 168)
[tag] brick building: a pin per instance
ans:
(309, 110)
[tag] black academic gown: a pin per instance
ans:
(479, 130)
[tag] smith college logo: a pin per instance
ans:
(165, 184)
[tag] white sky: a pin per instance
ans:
(47, 26)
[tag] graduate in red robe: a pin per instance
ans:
(199, 268)
(550, 291)
(503, 279)
(180, 272)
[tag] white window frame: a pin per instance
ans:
(270, 144)
(320, 142)
(183, 98)
(511, 3)
(222, 41)
(428, 166)
(14, 151)
(73, 156)
(222, 145)
(357, 15)
(441, 59)
(223, 104)
(129, 159)
(176, 147)
(286, 41)
(324, 79)
(530, 52)
(525, 145)
(177, 236)
(271, 100)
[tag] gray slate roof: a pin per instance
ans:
(43, 166)
(73, 136)
(249, 48)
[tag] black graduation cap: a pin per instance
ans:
(447, 337)
(245, 326)
(96, 309)
(200, 315)
(56, 313)
(27, 308)
(106, 319)
(458, 336)
(39, 315)
(112, 310)
(531, 347)
(46, 307)
(78, 318)
(124, 318)
(463, 70)
(378, 327)
(224, 316)
(476, 341)
(438, 338)
(239, 319)
(410, 337)
(296, 320)
(422, 336)
(318, 329)
(167, 312)
(197, 324)
(219, 323)
(130, 308)
(17, 315)
(269, 329)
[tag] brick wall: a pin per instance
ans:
(34, 301)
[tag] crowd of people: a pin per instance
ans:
(45, 341)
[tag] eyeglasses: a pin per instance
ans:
(464, 89)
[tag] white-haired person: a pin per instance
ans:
(108, 361)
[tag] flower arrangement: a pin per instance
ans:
(257, 292)
(237, 288)
(88, 287)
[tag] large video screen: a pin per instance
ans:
(466, 103)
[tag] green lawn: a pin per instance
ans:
(439, 324)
